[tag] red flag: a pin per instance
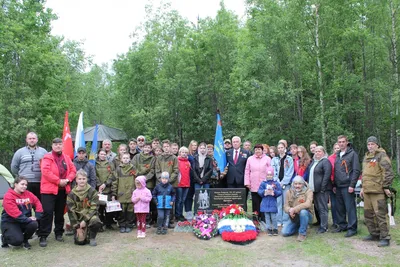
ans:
(67, 140)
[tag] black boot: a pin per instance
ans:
(3, 242)
(384, 243)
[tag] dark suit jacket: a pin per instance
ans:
(236, 171)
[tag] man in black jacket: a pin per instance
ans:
(347, 170)
(81, 162)
(236, 159)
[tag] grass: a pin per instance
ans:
(183, 249)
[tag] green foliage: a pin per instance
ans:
(260, 72)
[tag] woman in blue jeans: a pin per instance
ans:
(298, 204)
(202, 167)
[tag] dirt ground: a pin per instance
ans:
(184, 249)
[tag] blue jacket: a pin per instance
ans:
(163, 194)
(268, 203)
(288, 169)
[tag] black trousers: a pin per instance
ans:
(106, 217)
(16, 233)
(35, 189)
(346, 205)
(321, 206)
(235, 185)
(53, 206)
(256, 203)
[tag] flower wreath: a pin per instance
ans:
(205, 226)
(235, 226)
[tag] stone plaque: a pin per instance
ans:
(217, 198)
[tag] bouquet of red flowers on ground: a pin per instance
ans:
(205, 226)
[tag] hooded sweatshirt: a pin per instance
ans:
(82, 204)
(18, 207)
(141, 205)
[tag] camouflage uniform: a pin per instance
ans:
(377, 175)
(104, 174)
(82, 206)
(144, 165)
(168, 163)
(122, 188)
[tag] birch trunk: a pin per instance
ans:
(319, 74)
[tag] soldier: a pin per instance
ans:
(377, 177)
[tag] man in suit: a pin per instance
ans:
(236, 159)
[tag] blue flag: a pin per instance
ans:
(92, 156)
(219, 152)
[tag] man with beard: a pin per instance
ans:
(26, 163)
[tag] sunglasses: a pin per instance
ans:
(140, 140)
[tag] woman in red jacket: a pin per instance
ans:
(58, 172)
(17, 222)
(182, 190)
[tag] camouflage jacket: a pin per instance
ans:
(124, 183)
(167, 163)
(377, 172)
(144, 165)
(82, 204)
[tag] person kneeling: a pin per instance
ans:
(17, 222)
(82, 204)
(298, 204)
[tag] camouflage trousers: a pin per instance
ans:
(93, 222)
(376, 215)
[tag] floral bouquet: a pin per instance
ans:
(235, 226)
(205, 226)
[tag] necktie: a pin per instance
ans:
(236, 157)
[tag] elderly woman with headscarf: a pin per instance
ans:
(319, 181)
(298, 204)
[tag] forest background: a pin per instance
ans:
(297, 70)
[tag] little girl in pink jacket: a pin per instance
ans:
(141, 198)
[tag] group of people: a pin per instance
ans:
(154, 182)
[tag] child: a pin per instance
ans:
(82, 209)
(164, 196)
(166, 162)
(269, 190)
(141, 197)
(143, 163)
(104, 173)
(122, 149)
(122, 189)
